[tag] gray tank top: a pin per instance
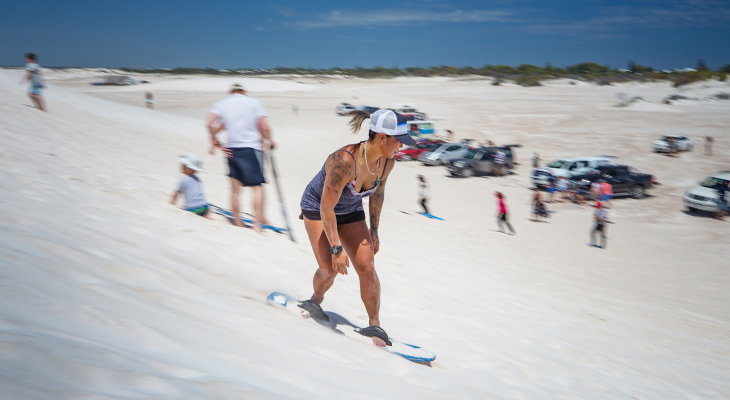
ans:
(350, 200)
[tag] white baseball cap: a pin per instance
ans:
(193, 162)
(393, 124)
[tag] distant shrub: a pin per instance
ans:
(588, 68)
(604, 81)
(572, 82)
(496, 82)
(722, 96)
(725, 68)
(527, 80)
(722, 77)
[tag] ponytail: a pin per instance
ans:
(358, 117)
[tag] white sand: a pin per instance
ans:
(110, 292)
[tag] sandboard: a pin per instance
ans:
(341, 325)
(431, 216)
(594, 245)
(227, 213)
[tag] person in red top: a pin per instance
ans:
(502, 214)
(606, 192)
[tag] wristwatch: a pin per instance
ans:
(335, 250)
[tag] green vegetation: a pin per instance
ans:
(523, 74)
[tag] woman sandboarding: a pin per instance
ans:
(334, 218)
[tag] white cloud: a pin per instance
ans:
(338, 18)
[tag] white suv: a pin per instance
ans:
(704, 196)
(567, 167)
(344, 108)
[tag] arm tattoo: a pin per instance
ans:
(339, 172)
(376, 205)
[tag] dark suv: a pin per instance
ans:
(625, 180)
(479, 162)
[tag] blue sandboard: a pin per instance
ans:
(594, 245)
(341, 325)
(431, 216)
(227, 213)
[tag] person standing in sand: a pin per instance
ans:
(600, 227)
(244, 118)
(708, 145)
(149, 100)
(33, 76)
(334, 218)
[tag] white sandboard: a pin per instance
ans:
(342, 325)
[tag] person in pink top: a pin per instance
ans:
(606, 192)
(502, 214)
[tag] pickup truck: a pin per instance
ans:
(626, 180)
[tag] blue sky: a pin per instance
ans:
(324, 34)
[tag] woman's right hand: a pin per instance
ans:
(340, 263)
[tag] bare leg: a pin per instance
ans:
(357, 244)
(235, 205)
(325, 275)
(38, 101)
(258, 207)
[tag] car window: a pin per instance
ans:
(581, 164)
(569, 166)
(603, 162)
(711, 182)
(507, 152)
(556, 164)
(453, 148)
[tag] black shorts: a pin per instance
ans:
(599, 227)
(247, 166)
(343, 219)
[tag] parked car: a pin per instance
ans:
(567, 167)
(625, 180)
(368, 109)
(444, 154)
(344, 108)
(663, 144)
(478, 162)
(704, 196)
(413, 152)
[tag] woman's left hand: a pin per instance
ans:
(376, 241)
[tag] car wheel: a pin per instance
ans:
(692, 209)
(406, 157)
(467, 172)
(637, 192)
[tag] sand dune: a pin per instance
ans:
(110, 292)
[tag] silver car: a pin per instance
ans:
(444, 154)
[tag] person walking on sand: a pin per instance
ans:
(334, 218)
(33, 76)
(244, 118)
(149, 100)
(502, 213)
(424, 193)
(535, 160)
(600, 227)
(708, 145)
(539, 212)
(189, 186)
(500, 159)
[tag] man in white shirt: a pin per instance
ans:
(244, 118)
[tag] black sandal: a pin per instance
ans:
(376, 331)
(315, 311)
